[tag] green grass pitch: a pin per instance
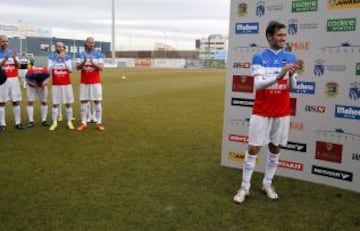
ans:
(156, 167)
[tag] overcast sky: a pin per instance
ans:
(140, 23)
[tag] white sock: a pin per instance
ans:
(89, 110)
(248, 169)
(16, 110)
(30, 112)
(83, 109)
(98, 112)
(2, 116)
(271, 166)
(55, 112)
(44, 111)
(69, 113)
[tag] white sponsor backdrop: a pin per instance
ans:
(324, 139)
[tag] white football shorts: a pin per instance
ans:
(265, 130)
(91, 92)
(62, 94)
(33, 94)
(10, 90)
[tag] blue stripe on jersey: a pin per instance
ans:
(267, 58)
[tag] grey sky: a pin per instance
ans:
(140, 23)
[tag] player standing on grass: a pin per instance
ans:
(274, 73)
(9, 62)
(23, 68)
(59, 64)
(90, 62)
(37, 79)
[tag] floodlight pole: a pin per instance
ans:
(113, 32)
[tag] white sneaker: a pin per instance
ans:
(240, 195)
(270, 193)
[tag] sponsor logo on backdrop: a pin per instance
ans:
(294, 26)
(297, 46)
(304, 88)
(354, 92)
(242, 102)
(331, 89)
(328, 151)
(291, 165)
(247, 28)
(356, 156)
(243, 83)
(242, 65)
(251, 48)
(315, 108)
(341, 24)
(245, 122)
(242, 9)
(357, 70)
(304, 6)
(239, 138)
(333, 173)
(339, 134)
(297, 126)
(236, 156)
(293, 106)
(342, 4)
(262, 7)
(297, 147)
(344, 47)
(320, 67)
(347, 112)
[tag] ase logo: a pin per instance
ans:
(339, 134)
(315, 108)
(304, 6)
(331, 89)
(304, 88)
(294, 26)
(341, 24)
(341, 4)
(328, 151)
(242, 9)
(347, 112)
(247, 28)
(333, 173)
(243, 83)
(297, 147)
(357, 70)
(354, 92)
(291, 165)
(261, 8)
(239, 138)
(320, 67)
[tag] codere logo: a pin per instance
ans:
(341, 24)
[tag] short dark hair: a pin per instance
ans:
(272, 27)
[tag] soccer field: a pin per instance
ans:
(156, 167)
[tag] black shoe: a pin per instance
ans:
(30, 125)
(19, 126)
(45, 123)
(2, 128)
